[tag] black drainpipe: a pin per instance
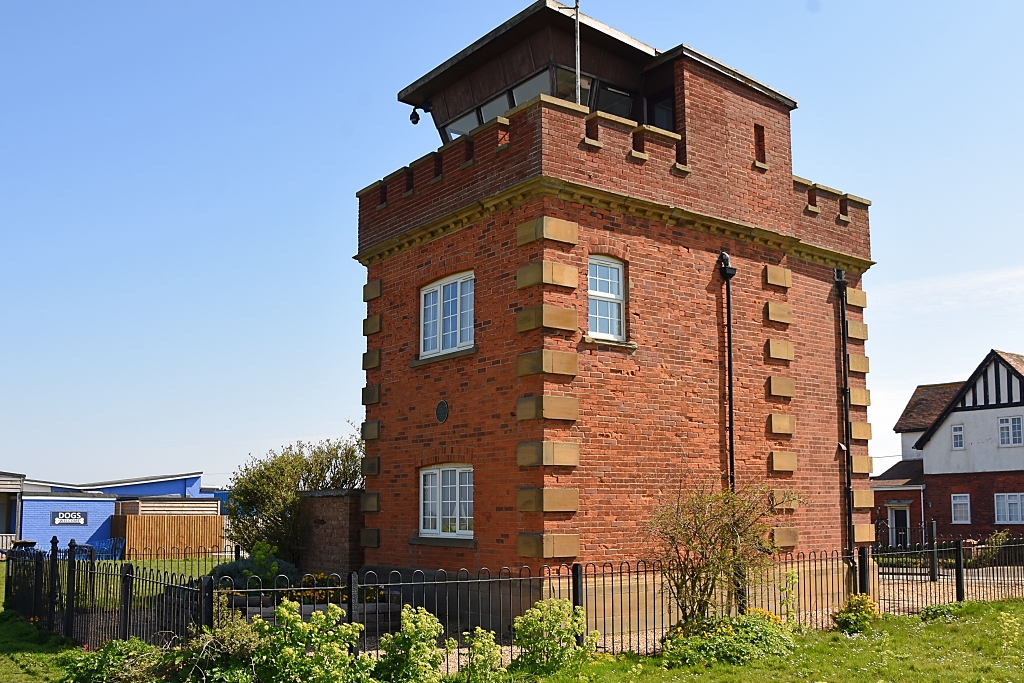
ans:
(727, 273)
(840, 278)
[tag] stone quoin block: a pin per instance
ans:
(370, 466)
(856, 330)
(785, 500)
(546, 546)
(782, 386)
(782, 424)
(548, 362)
(859, 363)
(547, 228)
(372, 290)
(856, 297)
(783, 461)
(369, 502)
(371, 325)
(548, 500)
(547, 273)
(786, 536)
(553, 317)
(370, 430)
(778, 276)
(863, 533)
(371, 359)
(862, 464)
(369, 538)
(780, 349)
(548, 408)
(860, 397)
(778, 312)
(371, 394)
(864, 499)
(860, 430)
(552, 453)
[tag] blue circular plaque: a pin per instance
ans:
(441, 411)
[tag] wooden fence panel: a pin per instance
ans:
(169, 532)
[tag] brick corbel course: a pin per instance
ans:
(552, 317)
(548, 408)
(548, 453)
(546, 546)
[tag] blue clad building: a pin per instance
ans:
(84, 517)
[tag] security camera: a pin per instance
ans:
(414, 117)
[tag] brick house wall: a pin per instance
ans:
(331, 521)
(982, 487)
(651, 418)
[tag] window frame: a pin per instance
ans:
(952, 507)
(1019, 502)
(438, 472)
(1014, 440)
(621, 299)
(438, 287)
(954, 434)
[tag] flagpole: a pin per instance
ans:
(578, 52)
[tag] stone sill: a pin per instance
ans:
(501, 148)
(468, 163)
(761, 165)
(444, 356)
(408, 193)
(638, 156)
(614, 343)
(843, 218)
(437, 179)
(382, 205)
(681, 168)
(592, 143)
(443, 542)
(812, 209)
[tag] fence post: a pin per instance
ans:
(206, 601)
(577, 592)
(238, 552)
(51, 614)
(863, 570)
(69, 593)
(933, 556)
(350, 606)
(37, 587)
(92, 577)
(959, 570)
(127, 588)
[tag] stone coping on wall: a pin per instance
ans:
(331, 493)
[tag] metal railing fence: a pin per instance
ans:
(92, 600)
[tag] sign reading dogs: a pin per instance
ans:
(69, 518)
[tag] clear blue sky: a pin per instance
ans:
(177, 210)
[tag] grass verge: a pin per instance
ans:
(978, 645)
(27, 652)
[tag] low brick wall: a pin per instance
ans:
(331, 521)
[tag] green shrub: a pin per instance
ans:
(483, 659)
(546, 635)
(412, 654)
(730, 640)
(118, 661)
(316, 651)
(950, 612)
(859, 611)
(260, 564)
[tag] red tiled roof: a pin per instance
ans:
(927, 403)
(1015, 360)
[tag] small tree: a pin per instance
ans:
(707, 539)
(264, 501)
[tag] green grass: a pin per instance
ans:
(27, 652)
(970, 648)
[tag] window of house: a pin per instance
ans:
(605, 292)
(565, 86)
(447, 315)
(661, 110)
(961, 503)
(530, 88)
(614, 101)
(496, 107)
(958, 437)
(1008, 508)
(446, 501)
(462, 125)
(1010, 432)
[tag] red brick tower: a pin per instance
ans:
(546, 325)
